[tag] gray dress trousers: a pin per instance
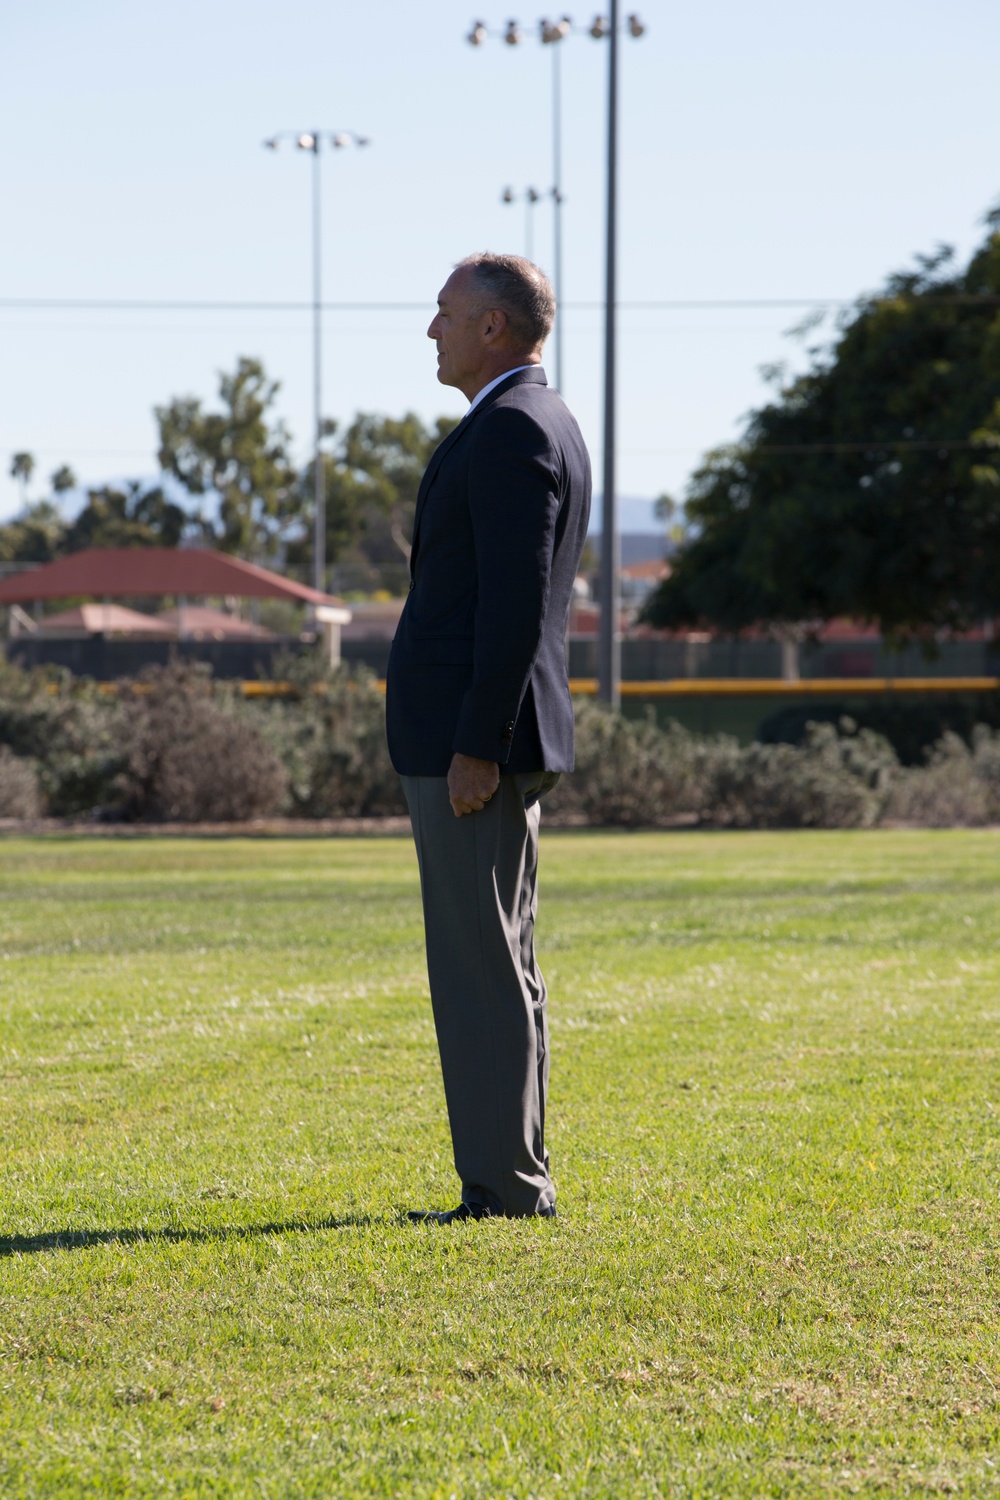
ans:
(478, 880)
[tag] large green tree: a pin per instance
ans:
(35, 536)
(38, 534)
(372, 478)
(240, 455)
(871, 486)
(135, 516)
(247, 496)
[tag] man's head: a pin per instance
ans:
(494, 313)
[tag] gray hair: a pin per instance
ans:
(517, 288)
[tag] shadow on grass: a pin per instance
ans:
(85, 1239)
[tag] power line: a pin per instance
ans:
(105, 304)
(737, 450)
(117, 304)
(137, 304)
(917, 445)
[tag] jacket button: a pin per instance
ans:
(410, 589)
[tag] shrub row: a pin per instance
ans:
(635, 775)
(177, 746)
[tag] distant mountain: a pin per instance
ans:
(634, 514)
(637, 546)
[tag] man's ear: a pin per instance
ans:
(496, 325)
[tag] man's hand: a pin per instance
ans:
(471, 783)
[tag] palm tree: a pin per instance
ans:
(22, 466)
(63, 479)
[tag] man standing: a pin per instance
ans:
(479, 716)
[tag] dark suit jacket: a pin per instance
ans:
(478, 664)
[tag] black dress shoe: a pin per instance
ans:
(466, 1211)
(457, 1215)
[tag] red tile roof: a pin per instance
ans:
(131, 572)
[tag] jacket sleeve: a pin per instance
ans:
(514, 488)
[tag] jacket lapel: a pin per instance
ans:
(534, 376)
(444, 447)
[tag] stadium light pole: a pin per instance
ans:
(551, 33)
(609, 653)
(609, 650)
(313, 141)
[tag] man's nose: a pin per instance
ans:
(432, 329)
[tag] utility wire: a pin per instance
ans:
(175, 305)
(726, 451)
(706, 304)
(918, 445)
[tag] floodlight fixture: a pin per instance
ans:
(512, 36)
(477, 36)
(555, 31)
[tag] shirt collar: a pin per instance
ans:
(494, 383)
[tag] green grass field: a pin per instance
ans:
(774, 1128)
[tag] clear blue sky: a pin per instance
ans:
(777, 150)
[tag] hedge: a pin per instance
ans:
(176, 745)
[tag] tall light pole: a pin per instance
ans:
(552, 32)
(313, 140)
(549, 33)
(609, 654)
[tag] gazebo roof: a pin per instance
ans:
(198, 623)
(213, 624)
(105, 619)
(132, 572)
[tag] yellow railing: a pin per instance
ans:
(758, 687)
(687, 687)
